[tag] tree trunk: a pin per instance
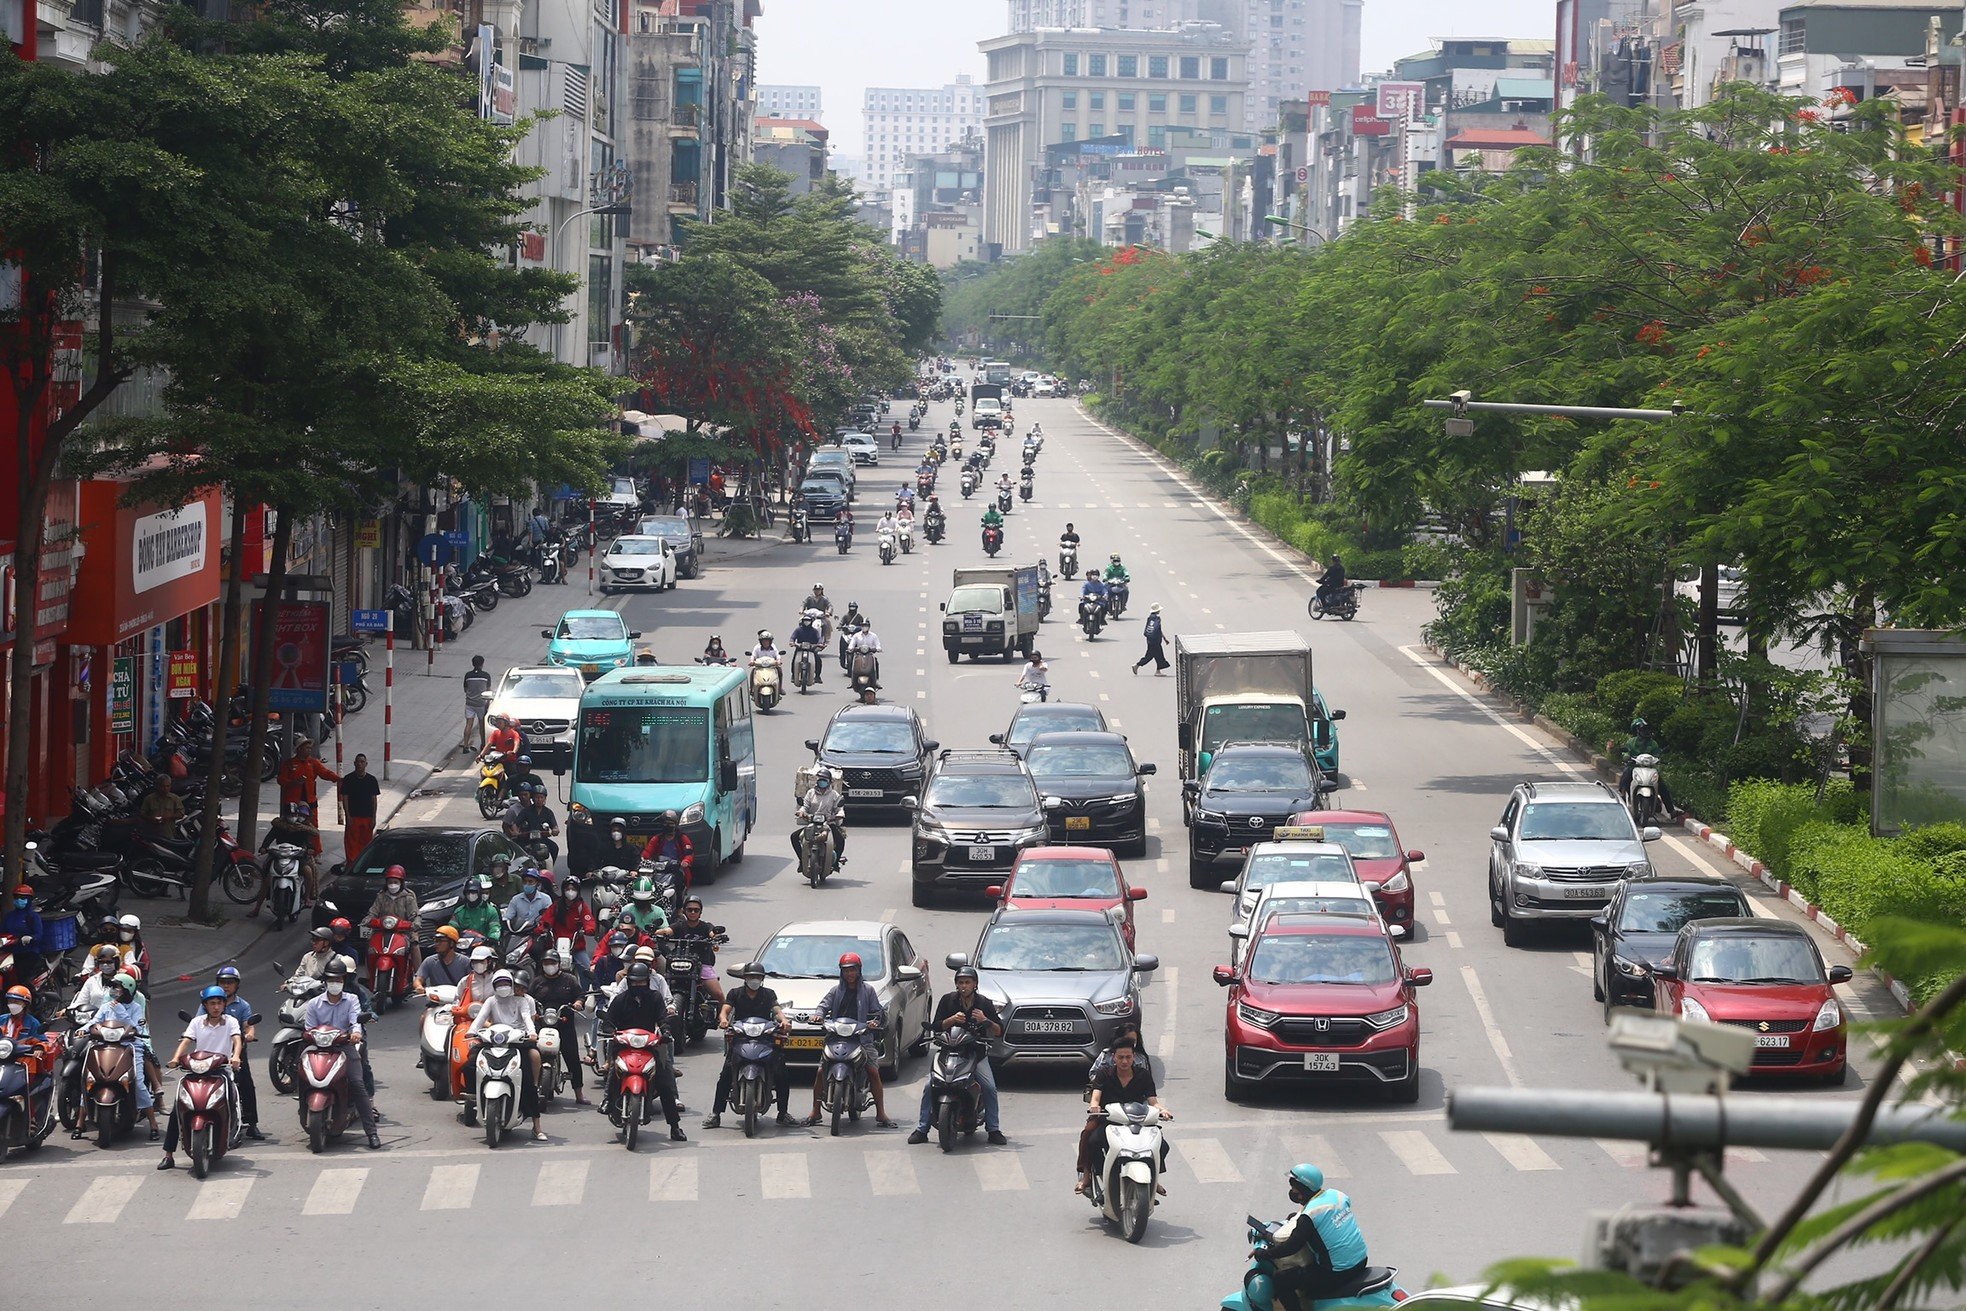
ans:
(276, 573)
(1857, 665)
(228, 660)
(35, 470)
(1707, 639)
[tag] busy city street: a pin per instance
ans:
(865, 1215)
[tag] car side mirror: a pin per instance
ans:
(1499, 833)
(1326, 786)
(1136, 894)
(907, 974)
(1415, 856)
(546, 633)
(1841, 974)
(1191, 787)
(996, 739)
(1224, 976)
(1663, 970)
(1227, 885)
(1600, 922)
(1337, 714)
(1420, 978)
(911, 803)
(634, 633)
(1145, 770)
(931, 745)
(337, 869)
(1053, 803)
(955, 960)
(943, 606)
(1651, 833)
(812, 744)
(1146, 964)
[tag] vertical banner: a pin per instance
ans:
(183, 676)
(123, 695)
(155, 718)
(300, 656)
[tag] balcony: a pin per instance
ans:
(682, 195)
(685, 120)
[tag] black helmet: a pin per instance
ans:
(966, 972)
(336, 970)
(670, 819)
(638, 974)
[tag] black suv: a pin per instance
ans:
(1641, 926)
(1091, 789)
(978, 812)
(1250, 788)
(878, 752)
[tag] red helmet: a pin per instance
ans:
(340, 925)
(395, 872)
(851, 958)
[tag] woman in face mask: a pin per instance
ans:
(129, 945)
(513, 1009)
(397, 899)
(20, 1023)
(556, 989)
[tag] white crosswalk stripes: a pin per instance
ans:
(891, 1174)
(1629, 1155)
(783, 1175)
(1416, 1152)
(9, 1190)
(1208, 1159)
(999, 1172)
(1316, 1149)
(561, 1183)
(104, 1200)
(1521, 1153)
(451, 1188)
(672, 1179)
(220, 1199)
(335, 1192)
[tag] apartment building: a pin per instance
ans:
(691, 72)
(782, 100)
(902, 122)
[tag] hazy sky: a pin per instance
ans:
(846, 46)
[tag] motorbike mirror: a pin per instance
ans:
(1415, 856)
(1136, 894)
(1651, 833)
(185, 1016)
(254, 1018)
(955, 960)
(1224, 975)
(1420, 978)
(365, 1017)
(278, 969)
(1146, 964)
(1144, 770)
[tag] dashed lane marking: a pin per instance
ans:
(451, 1188)
(335, 1192)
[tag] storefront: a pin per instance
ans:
(144, 621)
(51, 692)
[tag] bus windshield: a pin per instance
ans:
(643, 744)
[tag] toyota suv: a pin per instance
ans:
(1250, 788)
(1558, 854)
(976, 816)
(880, 752)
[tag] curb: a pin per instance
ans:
(1705, 832)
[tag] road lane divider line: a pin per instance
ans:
(1454, 940)
(1434, 895)
(1164, 1045)
(1521, 1153)
(887, 916)
(1496, 1038)
(1208, 1159)
(891, 1174)
(560, 1183)
(220, 1199)
(1416, 1152)
(104, 1199)
(1000, 1172)
(1441, 917)
(335, 1192)
(783, 1176)
(451, 1188)
(1167, 915)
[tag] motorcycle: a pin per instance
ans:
(27, 1092)
(388, 961)
(1372, 1287)
(845, 1092)
(1032, 693)
(924, 483)
(955, 1088)
(1124, 1188)
(109, 1090)
(491, 784)
(753, 1053)
(914, 422)
(1025, 486)
(551, 1070)
(816, 856)
(992, 539)
(283, 872)
(74, 1059)
(696, 1010)
(765, 687)
(905, 534)
(932, 526)
(1117, 592)
(1092, 617)
(843, 536)
(884, 542)
(969, 483)
(1003, 500)
(1344, 605)
(204, 1109)
(434, 1038)
(495, 1090)
(801, 525)
(1068, 561)
(326, 1110)
(283, 1059)
(1643, 797)
(863, 671)
(634, 1065)
(805, 667)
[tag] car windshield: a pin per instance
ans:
(1364, 841)
(887, 736)
(1066, 878)
(636, 546)
(428, 860)
(1260, 774)
(1065, 948)
(1321, 958)
(593, 628)
(1669, 912)
(625, 487)
(817, 956)
(968, 599)
(1753, 958)
(983, 792)
(819, 487)
(1258, 723)
(530, 684)
(1050, 760)
(1576, 821)
(1298, 867)
(671, 527)
(1315, 906)
(1056, 720)
(643, 744)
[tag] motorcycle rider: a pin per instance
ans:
(211, 1031)
(992, 518)
(1128, 1081)
(572, 919)
(671, 843)
(242, 1010)
(693, 930)
(320, 954)
(554, 989)
(125, 1009)
(1639, 743)
(753, 1001)
(1037, 673)
(19, 1024)
(443, 967)
(932, 519)
(865, 642)
(825, 802)
(642, 1004)
(853, 998)
(529, 811)
(808, 635)
(888, 523)
(1331, 582)
(1318, 1252)
(818, 600)
(504, 737)
(1115, 571)
(1004, 485)
(23, 922)
(514, 1009)
(397, 899)
(1069, 539)
(966, 1006)
(95, 989)
(293, 826)
(529, 905)
(1094, 590)
(764, 650)
(476, 914)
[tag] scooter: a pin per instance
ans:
(1003, 500)
(955, 1088)
(969, 483)
(992, 539)
(1124, 1189)
(864, 671)
(845, 1092)
(109, 1090)
(491, 784)
(905, 534)
(1116, 597)
(388, 961)
(765, 687)
(551, 1070)
(70, 1067)
(283, 1060)
(283, 872)
(843, 536)
(1031, 694)
(326, 1110)
(1373, 1287)
(696, 1010)
(496, 1088)
(1025, 486)
(1092, 617)
(816, 856)
(1342, 606)
(27, 1092)
(1068, 561)
(932, 527)
(434, 1039)
(634, 1065)
(884, 541)
(1642, 798)
(753, 1054)
(801, 525)
(204, 1109)
(805, 667)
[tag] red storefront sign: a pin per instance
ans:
(146, 565)
(1365, 123)
(1317, 99)
(183, 675)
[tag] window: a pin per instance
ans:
(1095, 130)
(1095, 65)
(1157, 66)
(1190, 67)
(1156, 135)
(1129, 66)
(1218, 69)
(1188, 104)
(1096, 100)
(1069, 132)
(1071, 65)
(1157, 103)
(1126, 101)
(1218, 104)
(1069, 100)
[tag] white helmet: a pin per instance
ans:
(482, 953)
(129, 922)
(504, 976)
(764, 636)
(810, 614)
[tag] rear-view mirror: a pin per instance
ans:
(1337, 714)
(1664, 969)
(996, 739)
(994, 892)
(546, 633)
(812, 744)
(907, 974)
(1498, 834)
(955, 960)
(1651, 833)
(1420, 978)
(1224, 975)
(1841, 974)
(1136, 894)
(1146, 964)
(1228, 885)
(1415, 856)
(1145, 770)
(931, 745)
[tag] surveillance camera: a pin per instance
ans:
(1460, 398)
(1678, 408)
(1674, 1055)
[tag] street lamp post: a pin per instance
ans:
(1278, 220)
(553, 251)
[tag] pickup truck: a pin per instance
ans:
(993, 610)
(1240, 687)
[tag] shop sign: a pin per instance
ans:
(182, 682)
(300, 655)
(123, 695)
(368, 536)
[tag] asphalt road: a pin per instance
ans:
(796, 1214)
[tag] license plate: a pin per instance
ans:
(867, 793)
(972, 623)
(1587, 894)
(803, 1042)
(1771, 1040)
(1048, 1026)
(1077, 823)
(590, 669)
(1321, 1062)
(982, 853)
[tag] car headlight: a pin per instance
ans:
(619, 661)
(1388, 1019)
(1120, 798)
(1524, 870)
(1208, 817)
(1397, 883)
(1629, 968)
(1256, 1015)
(1639, 868)
(1692, 1010)
(1117, 1006)
(694, 815)
(1036, 833)
(1828, 1017)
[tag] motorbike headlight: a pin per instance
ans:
(1397, 883)
(1828, 1017)
(1256, 1015)
(694, 815)
(1388, 1019)
(1117, 1006)
(1692, 1010)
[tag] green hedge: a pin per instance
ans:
(1625, 693)
(1576, 714)
(1857, 878)
(1763, 817)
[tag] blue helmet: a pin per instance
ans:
(228, 972)
(1308, 1177)
(211, 992)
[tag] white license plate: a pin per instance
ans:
(1321, 1062)
(873, 793)
(1587, 894)
(982, 853)
(1771, 1040)
(1048, 1026)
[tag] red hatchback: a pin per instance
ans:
(1322, 999)
(1070, 878)
(1382, 864)
(1765, 976)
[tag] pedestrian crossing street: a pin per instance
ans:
(281, 1183)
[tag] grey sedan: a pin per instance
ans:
(1064, 980)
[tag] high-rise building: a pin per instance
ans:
(1030, 15)
(782, 100)
(902, 122)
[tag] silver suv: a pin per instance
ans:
(1559, 853)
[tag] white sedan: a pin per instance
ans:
(637, 561)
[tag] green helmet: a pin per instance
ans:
(643, 893)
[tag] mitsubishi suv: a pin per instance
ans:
(977, 814)
(1558, 854)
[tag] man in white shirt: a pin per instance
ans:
(1037, 673)
(511, 1008)
(868, 643)
(766, 648)
(215, 1032)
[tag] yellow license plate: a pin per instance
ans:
(590, 669)
(807, 1042)
(1075, 823)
